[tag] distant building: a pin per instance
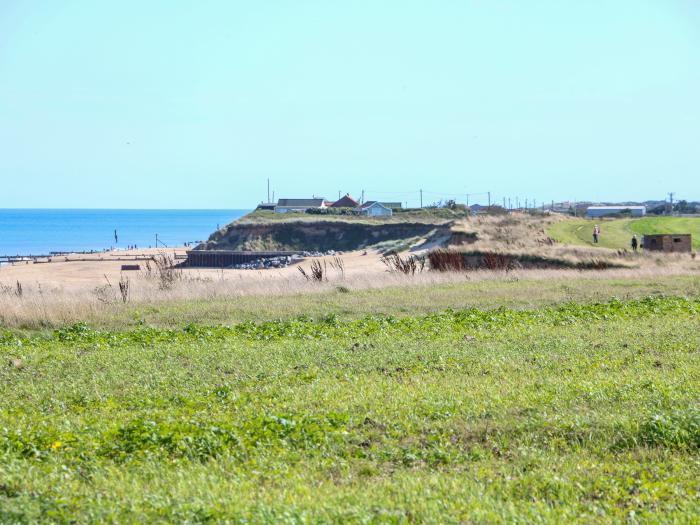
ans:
(611, 211)
(374, 209)
(668, 242)
(345, 202)
(392, 205)
(289, 205)
(267, 206)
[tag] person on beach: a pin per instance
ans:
(596, 233)
(634, 243)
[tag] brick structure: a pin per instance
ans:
(668, 242)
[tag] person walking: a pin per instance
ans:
(634, 243)
(596, 234)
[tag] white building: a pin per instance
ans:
(287, 205)
(374, 209)
(611, 211)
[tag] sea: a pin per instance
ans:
(42, 231)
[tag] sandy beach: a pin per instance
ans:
(84, 272)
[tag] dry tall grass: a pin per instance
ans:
(41, 307)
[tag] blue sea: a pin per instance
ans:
(40, 231)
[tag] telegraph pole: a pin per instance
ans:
(489, 193)
(421, 198)
(670, 198)
(268, 189)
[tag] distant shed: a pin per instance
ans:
(668, 242)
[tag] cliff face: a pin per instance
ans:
(312, 236)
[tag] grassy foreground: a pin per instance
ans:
(617, 233)
(570, 413)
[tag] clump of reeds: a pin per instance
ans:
(124, 288)
(406, 265)
(16, 290)
(163, 270)
(317, 273)
(339, 265)
(446, 261)
(450, 261)
(498, 261)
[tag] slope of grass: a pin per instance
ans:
(617, 233)
(579, 413)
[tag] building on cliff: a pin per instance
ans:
(289, 205)
(374, 209)
(345, 202)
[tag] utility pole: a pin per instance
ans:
(526, 204)
(362, 198)
(504, 203)
(421, 198)
(268, 189)
(338, 194)
(156, 240)
(467, 200)
(670, 198)
(489, 194)
(510, 205)
(273, 195)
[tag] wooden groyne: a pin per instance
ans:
(78, 257)
(227, 258)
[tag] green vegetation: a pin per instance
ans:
(571, 413)
(617, 233)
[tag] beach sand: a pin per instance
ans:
(82, 272)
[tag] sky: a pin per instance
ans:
(178, 104)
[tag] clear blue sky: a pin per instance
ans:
(175, 104)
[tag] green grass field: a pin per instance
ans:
(582, 412)
(617, 233)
